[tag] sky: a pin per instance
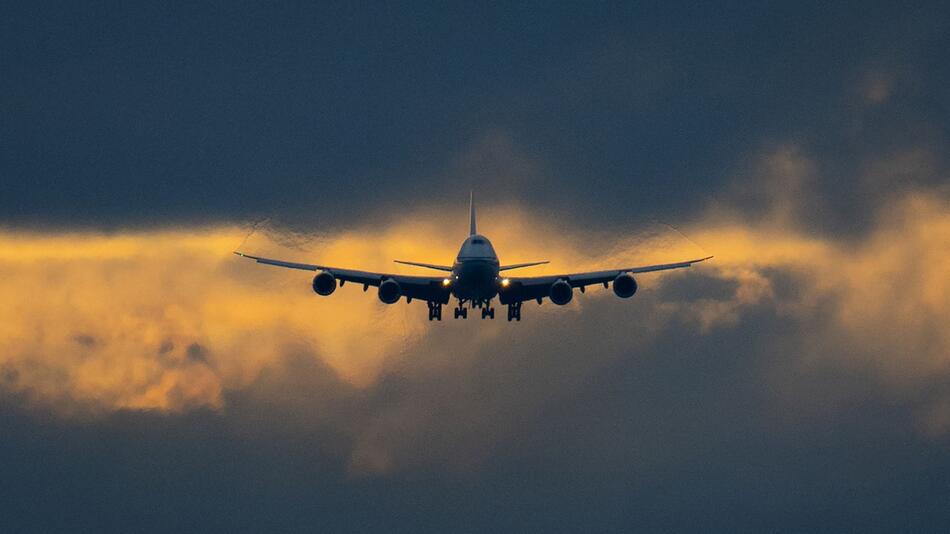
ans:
(152, 381)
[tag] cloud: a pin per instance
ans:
(878, 85)
(169, 320)
(797, 382)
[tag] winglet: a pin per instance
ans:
(471, 213)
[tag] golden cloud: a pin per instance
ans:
(170, 320)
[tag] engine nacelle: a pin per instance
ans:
(324, 283)
(624, 285)
(390, 291)
(561, 292)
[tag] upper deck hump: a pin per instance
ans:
(477, 246)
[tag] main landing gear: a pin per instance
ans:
(487, 311)
(460, 311)
(485, 305)
(435, 311)
(514, 311)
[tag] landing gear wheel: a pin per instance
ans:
(461, 312)
(435, 311)
(514, 311)
(488, 313)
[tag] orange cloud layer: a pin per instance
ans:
(170, 320)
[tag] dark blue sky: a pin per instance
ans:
(127, 115)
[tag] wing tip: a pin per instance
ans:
(700, 260)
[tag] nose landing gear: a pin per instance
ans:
(461, 312)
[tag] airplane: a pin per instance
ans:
(475, 279)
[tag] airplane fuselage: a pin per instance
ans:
(475, 271)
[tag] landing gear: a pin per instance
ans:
(488, 312)
(435, 311)
(514, 311)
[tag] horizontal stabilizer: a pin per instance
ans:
(426, 265)
(520, 265)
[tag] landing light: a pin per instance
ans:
(505, 282)
(446, 282)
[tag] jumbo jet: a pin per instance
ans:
(475, 280)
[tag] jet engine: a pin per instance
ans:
(624, 285)
(390, 291)
(324, 283)
(561, 292)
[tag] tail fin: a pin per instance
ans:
(471, 213)
(426, 265)
(520, 265)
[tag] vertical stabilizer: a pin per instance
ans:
(471, 213)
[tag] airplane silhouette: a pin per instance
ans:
(474, 279)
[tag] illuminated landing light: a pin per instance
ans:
(446, 282)
(505, 282)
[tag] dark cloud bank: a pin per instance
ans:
(117, 117)
(540, 433)
(120, 115)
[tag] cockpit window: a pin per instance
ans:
(478, 241)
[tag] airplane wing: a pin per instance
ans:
(539, 287)
(413, 287)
